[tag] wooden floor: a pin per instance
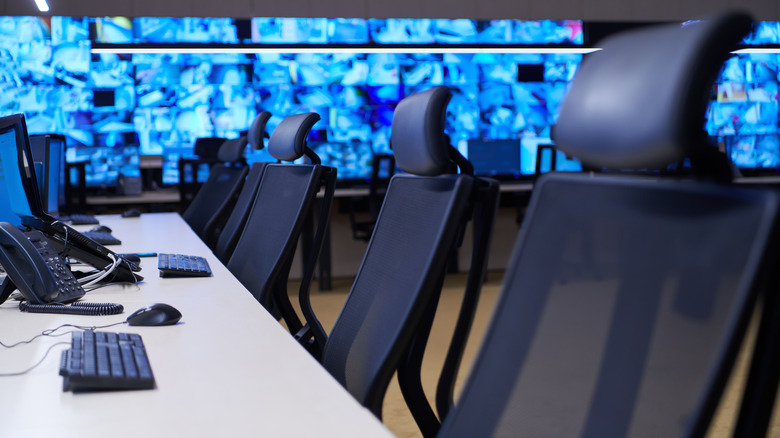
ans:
(395, 414)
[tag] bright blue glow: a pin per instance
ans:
(113, 107)
(744, 116)
(12, 178)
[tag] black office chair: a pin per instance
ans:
(641, 343)
(387, 317)
(362, 225)
(231, 231)
(211, 206)
(75, 187)
(205, 150)
(285, 196)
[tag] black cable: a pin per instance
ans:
(102, 285)
(50, 332)
(65, 244)
(48, 350)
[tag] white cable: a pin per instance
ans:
(95, 278)
(90, 280)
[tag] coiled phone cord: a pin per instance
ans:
(76, 308)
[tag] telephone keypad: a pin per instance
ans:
(67, 284)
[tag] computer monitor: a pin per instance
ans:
(18, 169)
(49, 149)
(25, 201)
(495, 158)
(6, 213)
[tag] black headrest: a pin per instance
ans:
(232, 151)
(641, 101)
(256, 132)
(288, 141)
(207, 148)
(417, 133)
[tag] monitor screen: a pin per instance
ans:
(743, 113)
(6, 182)
(49, 149)
(171, 99)
(104, 164)
(18, 168)
(496, 158)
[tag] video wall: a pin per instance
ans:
(743, 116)
(115, 107)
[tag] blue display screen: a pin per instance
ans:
(743, 115)
(114, 107)
(10, 182)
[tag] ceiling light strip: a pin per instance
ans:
(42, 5)
(758, 50)
(326, 50)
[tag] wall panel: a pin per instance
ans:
(264, 8)
(94, 8)
(559, 10)
(339, 8)
(219, 8)
(178, 8)
(603, 10)
(660, 10)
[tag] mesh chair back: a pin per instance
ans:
(214, 201)
(265, 249)
(622, 310)
(401, 273)
(234, 226)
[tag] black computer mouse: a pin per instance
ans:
(101, 228)
(156, 314)
(132, 258)
(133, 212)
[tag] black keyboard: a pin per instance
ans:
(81, 219)
(180, 265)
(105, 360)
(102, 237)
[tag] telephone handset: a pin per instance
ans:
(33, 267)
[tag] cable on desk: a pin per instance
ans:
(93, 279)
(48, 350)
(50, 332)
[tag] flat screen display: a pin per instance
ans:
(169, 100)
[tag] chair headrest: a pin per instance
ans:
(417, 133)
(257, 130)
(288, 141)
(641, 101)
(232, 150)
(207, 148)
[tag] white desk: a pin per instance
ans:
(228, 369)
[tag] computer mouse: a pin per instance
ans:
(133, 212)
(155, 314)
(132, 258)
(101, 228)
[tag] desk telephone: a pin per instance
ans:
(33, 267)
(42, 276)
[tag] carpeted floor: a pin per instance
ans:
(327, 305)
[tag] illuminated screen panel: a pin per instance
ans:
(743, 115)
(169, 100)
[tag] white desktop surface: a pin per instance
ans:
(228, 369)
